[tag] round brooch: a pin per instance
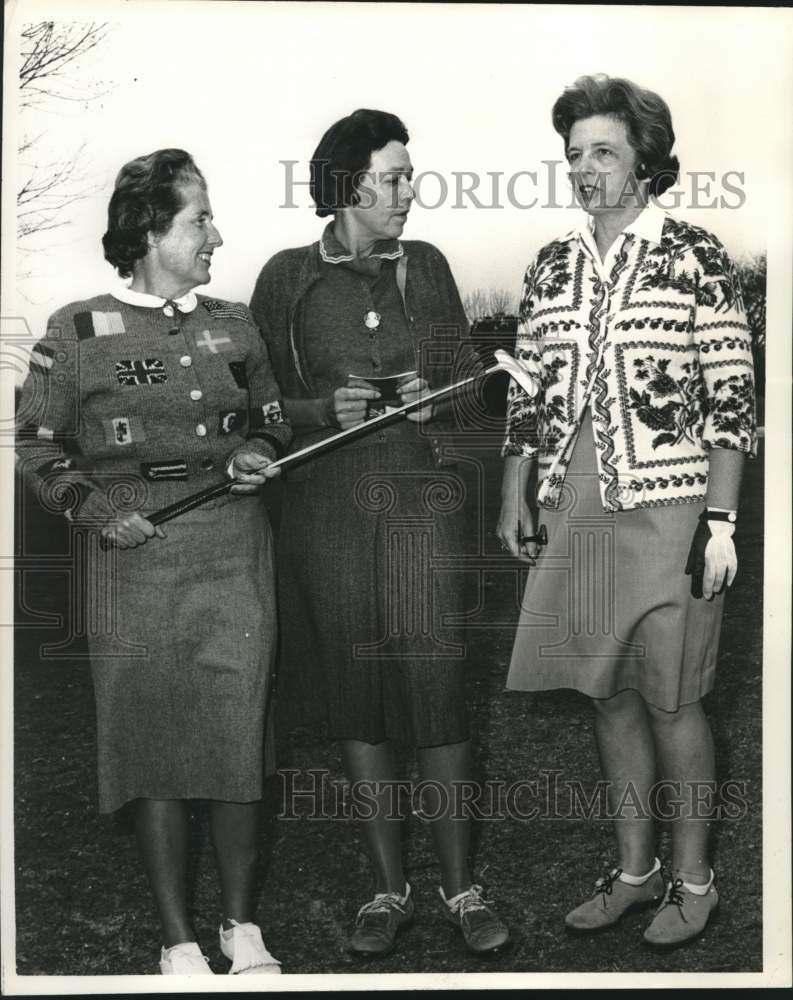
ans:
(371, 320)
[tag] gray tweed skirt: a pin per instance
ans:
(182, 669)
(608, 606)
(370, 649)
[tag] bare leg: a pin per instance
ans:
(162, 831)
(684, 745)
(448, 766)
(627, 759)
(235, 836)
(374, 762)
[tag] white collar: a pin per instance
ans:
(648, 224)
(333, 251)
(124, 293)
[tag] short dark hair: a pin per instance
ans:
(645, 115)
(147, 195)
(345, 151)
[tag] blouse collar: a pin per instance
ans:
(185, 304)
(333, 251)
(648, 225)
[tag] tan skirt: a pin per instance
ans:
(183, 679)
(608, 606)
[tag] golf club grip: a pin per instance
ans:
(181, 506)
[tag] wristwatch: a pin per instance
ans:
(730, 516)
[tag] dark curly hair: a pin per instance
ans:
(345, 151)
(644, 114)
(147, 195)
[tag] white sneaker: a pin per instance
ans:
(184, 960)
(242, 944)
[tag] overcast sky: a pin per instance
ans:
(243, 86)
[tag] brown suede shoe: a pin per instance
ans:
(378, 922)
(682, 916)
(614, 898)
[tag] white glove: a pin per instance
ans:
(721, 562)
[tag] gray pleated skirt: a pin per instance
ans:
(182, 663)
(608, 606)
(370, 649)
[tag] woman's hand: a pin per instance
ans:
(131, 531)
(412, 390)
(250, 471)
(515, 520)
(346, 408)
(712, 563)
(721, 562)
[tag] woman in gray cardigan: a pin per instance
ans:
(363, 609)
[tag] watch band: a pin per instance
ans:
(730, 516)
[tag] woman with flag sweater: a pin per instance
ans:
(134, 400)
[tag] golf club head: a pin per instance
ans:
(506, 363)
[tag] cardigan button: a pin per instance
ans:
(196, 394)
(201, 430)
(207, 465)
(185, 361)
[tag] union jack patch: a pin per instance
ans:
(151, 371)
(218, 309)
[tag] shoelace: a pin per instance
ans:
(675, 896)
(382, 903)
(249, 949)
(606, 883)
(472, 901)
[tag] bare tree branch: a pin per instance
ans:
(475, 304)
(480, 303)
(47, 49)
(501, 301)
(50, 54)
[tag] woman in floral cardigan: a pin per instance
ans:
(634, 324)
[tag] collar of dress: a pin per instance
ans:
(124, 293)
(332, 251)
(648, 225)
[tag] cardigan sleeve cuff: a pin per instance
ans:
(260, 444)
(518, 449)
(92, 506)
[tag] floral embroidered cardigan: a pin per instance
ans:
(660, 352)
